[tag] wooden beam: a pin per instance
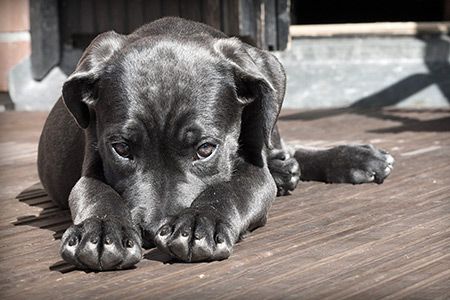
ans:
(211, 14)
(230, 17)
(191, 9)
(270, 24)
(283, 23)
(402, 28)
(44, 27)
(446, 10)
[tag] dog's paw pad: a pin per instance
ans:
(101, 244)
(360, 164)
(285, 171)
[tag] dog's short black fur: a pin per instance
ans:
(166, 137)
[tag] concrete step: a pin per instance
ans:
(402, 71)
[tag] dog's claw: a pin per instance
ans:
(197, 236)
(129, 243)
(80, 245)
(219, 239)
(72, 241)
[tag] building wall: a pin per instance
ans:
(14, 36)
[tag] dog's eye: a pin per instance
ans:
(205, 150)
(122, 149)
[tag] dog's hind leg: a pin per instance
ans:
(60, 154)
(344, 164)
(341, 164)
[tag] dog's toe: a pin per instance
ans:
(70, 243)
(285, 171)
(101, 245)
(359, 164)
(389, 159)
(195, 236)
(375, 163)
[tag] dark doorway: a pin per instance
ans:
(357, 11)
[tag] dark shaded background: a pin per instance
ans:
(358, 11)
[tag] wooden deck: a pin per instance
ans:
(323, 242)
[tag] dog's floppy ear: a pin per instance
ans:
(79, 90)
(254, 90)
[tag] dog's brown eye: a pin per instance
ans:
(205, 150)
(122, 149)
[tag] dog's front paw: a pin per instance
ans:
(101, 244)
(285, 171)
(196, 235)
(359, 164)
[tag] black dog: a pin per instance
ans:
(167, 137)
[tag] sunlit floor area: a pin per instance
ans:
(325, 241)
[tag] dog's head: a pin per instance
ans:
(169, 117)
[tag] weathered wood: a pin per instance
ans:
(262, 23)
(365, 29)
(270, 24)
(249, 15)
(171, 8)
(69, 19)
(102, 15)
(230, 19)
(135, 14)
(446, 10)
(191, 10)
(152, 10)
(211, 13)
(322, 242)
(255, 22)
(118, 16)
(44, 29)
(283, 23)
(87, 17)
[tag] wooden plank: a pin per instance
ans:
(70, 20)
(260, 23)
(446, 10)
(118, 16)
(270, 25)
(135, 11)
(230, 17)
(283, 23)
(152, 10)
(171, 8)
(323, 241)
(191, 9)
(385, 29)
(245, 19)
(249, 12)
(87, 23)
(102, 15)
(44, 27)
(211, 13)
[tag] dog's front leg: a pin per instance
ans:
(215, 221)
(103, 236)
